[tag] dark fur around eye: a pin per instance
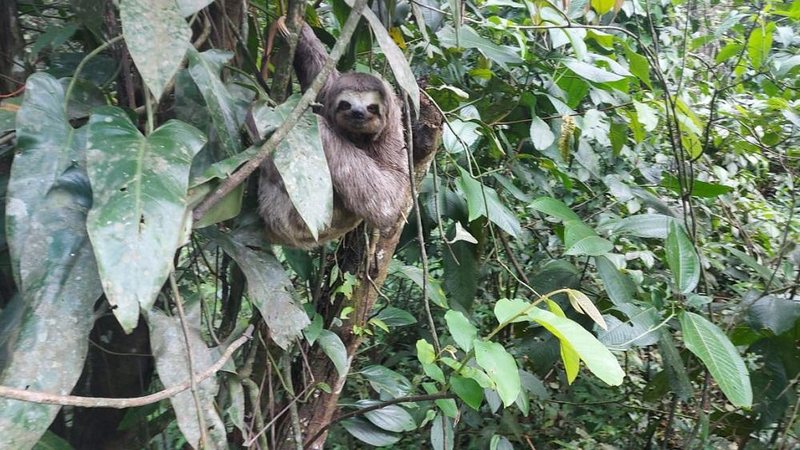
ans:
(343, 106)
(374, 109)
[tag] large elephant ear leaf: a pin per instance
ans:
(44, 331)
(48, 145)
(138, 217)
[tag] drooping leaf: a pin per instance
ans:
(172, 363)
(461, 264)
(385, 380)
(619, 286)
(501, 368)
(720, 357)
(433, 290)
(580, 239)
(592, 73)
(48, 146)
(554, 208)
(462, 331)
(469, 38)
(369, 433)
(390, 418)
(541, 135)
(442, 435)
(699, 188)
(396, 317)
(570, 357)
(599, 360)
(760, 43)
(44, 331)
(483, 201)
(682, 259)
(334, 348)
(301, 163)
(137, 220)
(400, 67)
(224, 111)
(513, 310)
(468, 390)
(157, 37)
(268, 287)
(644, 225)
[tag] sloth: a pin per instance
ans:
(362, 135)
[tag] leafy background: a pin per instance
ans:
(615, 192)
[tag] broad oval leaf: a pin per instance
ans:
(157, 37)
(332, 345)
(644, 225)
(541, 135)
(514, 310)
(385, 380)
(171, 355)
(599, 360)
(467, 390)
(554, 208)
(720, 357)
(462, 331)
(501, 368)
(390, 418)
(483, 201)
(137, 218)
(619, 286)
(592, 73)
(300, 160)
(682, 259)
(442, 435)
(369, 433)
(580, 239)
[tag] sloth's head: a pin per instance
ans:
(357, 105)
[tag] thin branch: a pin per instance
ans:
(122, 403)
(280, 134)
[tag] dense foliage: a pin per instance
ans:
(615, 192)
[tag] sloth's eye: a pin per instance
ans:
(343, 106)
(374, 109)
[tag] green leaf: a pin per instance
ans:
(506, 309)
(682, 259)
(580, 239)
(425, 352)
(433, 290)
(385, 380)
(48, 146)
(571, 358)
(483, 201)
(599, 360)
(469, 38)
(592, 73)
(369, 433)
(619, 286)
(759, 44)
(390, 418)
(224, 111)
(720, 357)
(268, 286)
(442, 435)
(461, 265)
(403, 75)
(157, 38)
(644, 225)
(541, 135)
(44, 330)
(138, 214)
(554, 208)
(462, 331)
(468, 390)
(171, 356)
(639, 66)
(603, 6)
(332, 345)
(396, 317)
(699, 188)
(500, 443)
(301, 162)
(501, 368)
(691, 143)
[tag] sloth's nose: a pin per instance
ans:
(357, 113)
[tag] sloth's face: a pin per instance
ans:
(360, 113)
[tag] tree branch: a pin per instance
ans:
(121, 403)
